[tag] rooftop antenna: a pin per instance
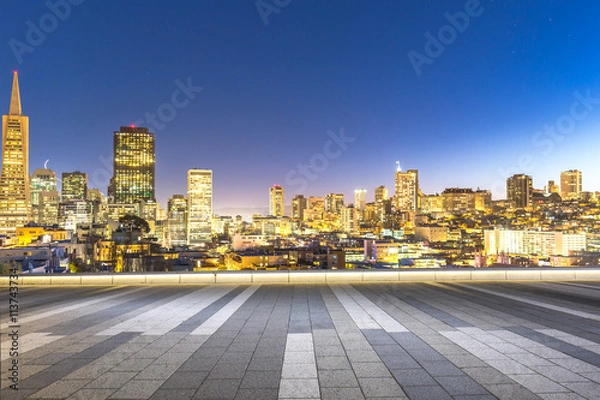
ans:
(398, 166)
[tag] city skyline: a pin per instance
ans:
(300, 199)
(134, 153)
(470, 119)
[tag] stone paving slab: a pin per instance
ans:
(346, 340)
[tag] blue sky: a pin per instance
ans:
(272, 92)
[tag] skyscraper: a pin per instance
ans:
(176, 234)
(200, 206)
(407, 190)
(299, 204)
(276, 201)
(519, 190)
(15, 197)
(360, 199)
(334, 202)
(134, 163)
(74, 186)
(381, 202)
(570, 184)
(350, 220)
(42, 180)
(381, 194)
(48, 208)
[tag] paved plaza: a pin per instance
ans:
(445, 340)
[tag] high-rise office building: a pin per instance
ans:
(42, 180)
(350, 220)
(200, 206)
(519, 190)
(48, 208)
(552, 187)
(15, 197)
(360, 199)
(176, 234)
(134, 164)
(381, 202)
(381, 194)
(570, 184)
(315, 208)
(407, 190)
(74, 186)
(276, 201)
(299, 204)
(334, 202)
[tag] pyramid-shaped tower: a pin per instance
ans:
(15, 199)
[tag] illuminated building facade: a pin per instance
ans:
(552, 187)
(200, 206)
(433, 203)
(360, 199)
(48, 208)
(381, 194)
(334, 202)
(407, 190)
(176, 234)
(525, 243)
(276, 201)
(75, 212)
(299, 205)
(570, 184)
(95, 195)
(315, 207)
(15, 197)
(350, 220)
(74, 186)
(466, 200)
(271, 225)
(134, 165)
(519, 190)
(42, 180)
(114, 211)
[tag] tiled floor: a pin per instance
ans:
(345, 341)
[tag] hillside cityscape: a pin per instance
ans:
(122, 228)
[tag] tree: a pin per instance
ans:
(131, 221)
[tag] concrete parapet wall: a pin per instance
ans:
(316, 276)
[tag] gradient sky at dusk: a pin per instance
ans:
(272, 92)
